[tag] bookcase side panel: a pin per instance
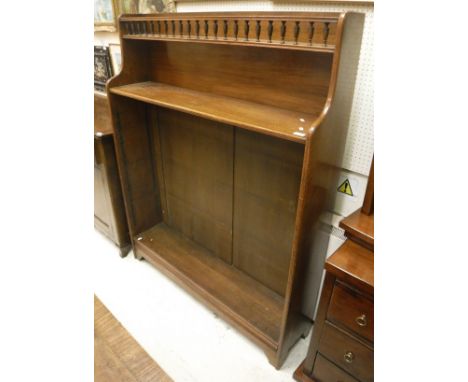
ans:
(135, 152)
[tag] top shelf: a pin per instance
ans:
(269, 120)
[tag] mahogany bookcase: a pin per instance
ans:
(230, 129)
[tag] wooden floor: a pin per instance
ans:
(117, 356)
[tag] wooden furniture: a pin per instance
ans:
(109, 213)
(230, 131)
(342, 344)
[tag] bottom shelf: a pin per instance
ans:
(230, 292)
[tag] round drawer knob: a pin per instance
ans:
(361, 320)
(349, 356)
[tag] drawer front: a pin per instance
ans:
(347, 352)
(352, 310)
(325, 371)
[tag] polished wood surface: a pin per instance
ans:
(360, 227)
(253, 116)
(326, 371)
(341, 347)
(352, 310)
(267, 176)
(198, 189)
(229, 150)
(321, 169)
(102, 118)
(231, 292)
(278, 30)
(245, 73)
(109, 213)
(354, 264)
(347, 352)
(117, 356)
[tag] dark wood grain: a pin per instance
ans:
(231, 106)
(279, 30)
(109, 211)
(335, 343)
(245, 73)
(324, 150)
(352, 310)
(102, 118)
(198, 189)
(267, 175)
(354, 264)
(360, 227)
(319, 323)
(248, 303)
(326, 371)
(253, 116)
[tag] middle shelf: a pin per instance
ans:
(232, 293)
(269, 120)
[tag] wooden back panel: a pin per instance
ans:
(197, 165)
(267, 175)
(288, 79)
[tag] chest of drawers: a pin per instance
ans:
(342, 344)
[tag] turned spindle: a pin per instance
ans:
(137, 28)
(215, 28)
(173, 27)
(258, 30)
(197, 28)
(311, 31)
(144, 27)
(181, 28)
(326, 31)
(166, 28)
(158, 25)
(225, 29)
(246, 30)
(189, 28)
(206, 29)
(152, 27)
(283, 31)
(270, 30)
(236, 29)
(297, 29)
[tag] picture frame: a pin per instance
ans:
(116, 57)
(105, 15)
(147, 6)
(102, 67)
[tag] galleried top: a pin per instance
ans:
(291, 30)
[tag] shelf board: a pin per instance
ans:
(230, 292)
(361, 227)
(269, 120)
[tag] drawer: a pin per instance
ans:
(347, 352)
(325, 371)
(352, 310)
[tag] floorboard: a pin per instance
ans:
(117, 356)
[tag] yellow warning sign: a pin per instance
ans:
(345, 188)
